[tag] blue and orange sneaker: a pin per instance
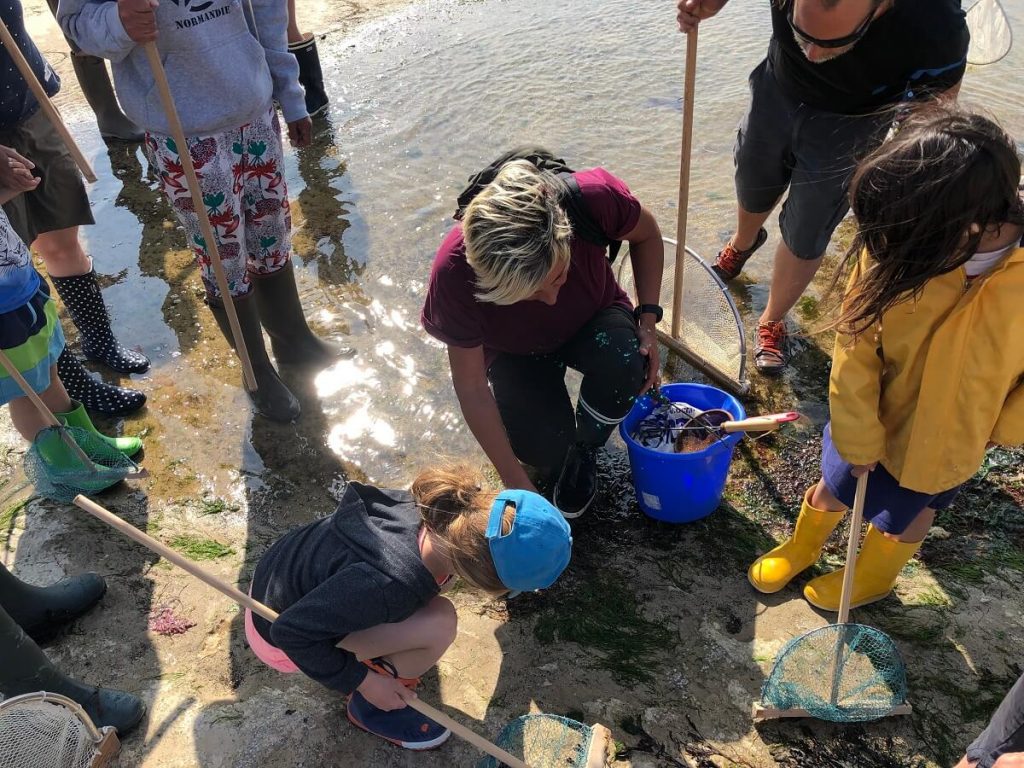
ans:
(405, 727)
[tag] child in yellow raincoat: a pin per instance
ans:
(929, 358)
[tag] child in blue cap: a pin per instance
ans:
(358, 592)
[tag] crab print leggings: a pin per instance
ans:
(241, 176)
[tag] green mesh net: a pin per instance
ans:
(843, 673)
(58, 473)
(544, 741)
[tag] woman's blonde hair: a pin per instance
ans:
(456, 507)
(516, 232)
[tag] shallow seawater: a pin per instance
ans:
(422, 99)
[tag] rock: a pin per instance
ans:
(937, 532)
(608, 712)
(666, 726)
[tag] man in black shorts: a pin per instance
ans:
(824, 96)
(48, 217)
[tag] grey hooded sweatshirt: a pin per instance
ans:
(225, 66)
(356, 569)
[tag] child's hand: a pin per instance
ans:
(384, 692)
(139, 19)
(16, 171)
(860, 469)
(300, 132)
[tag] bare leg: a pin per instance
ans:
(294, 33)
(917, 530)
(62, 253)
(823, 499)
(747, 226)
(790, 279)
(27, 420)
(413, 646)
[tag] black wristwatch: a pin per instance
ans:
(651, 309)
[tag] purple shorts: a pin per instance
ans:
(889, 507)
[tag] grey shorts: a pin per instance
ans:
(782, 143)
(60, 200)
(1005, 732)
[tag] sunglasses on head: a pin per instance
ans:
(837, 42)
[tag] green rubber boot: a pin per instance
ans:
(63, 470)
(77, 417)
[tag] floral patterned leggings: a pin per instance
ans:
(241, 176)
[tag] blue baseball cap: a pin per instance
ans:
(535, 552)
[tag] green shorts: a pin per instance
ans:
(60, 200)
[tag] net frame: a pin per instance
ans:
(49, 715)
(991, 34)
(593, 748)
(727, 362)
(868, 680)
(786, 688)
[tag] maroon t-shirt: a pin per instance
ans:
(452, 313)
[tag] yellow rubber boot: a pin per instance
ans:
(774, 570)
(878, 565)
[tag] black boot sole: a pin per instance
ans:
(123, 369)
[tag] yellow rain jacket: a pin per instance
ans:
(939, 378)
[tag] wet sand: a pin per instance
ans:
(654, 631)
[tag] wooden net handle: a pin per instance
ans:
(45, 412)
(856, 520)
(684, 180)
(44, 102)
(269, 614)
(178, 134)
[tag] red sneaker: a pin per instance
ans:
(730, 260)
(770, 351)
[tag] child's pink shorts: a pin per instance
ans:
(273, 657)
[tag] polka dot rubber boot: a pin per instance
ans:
(84, 301)
(97, 396)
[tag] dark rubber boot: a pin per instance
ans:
(310, 75)
(280, 309)
(43, 611)
(272, 397)
(577, 485)
(26, 669)
(95, 394)
(84, 301)
(92, 75)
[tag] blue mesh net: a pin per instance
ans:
(544, 741)
(843, 673)
(59, 474)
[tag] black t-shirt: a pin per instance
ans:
(916, 48)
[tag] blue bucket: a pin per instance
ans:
(681, 487)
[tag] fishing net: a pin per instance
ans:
(544, 741)
(991, 37)
(58, 473)
(43, 730)
(843, 673)
(678, 427)
(710, 329)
